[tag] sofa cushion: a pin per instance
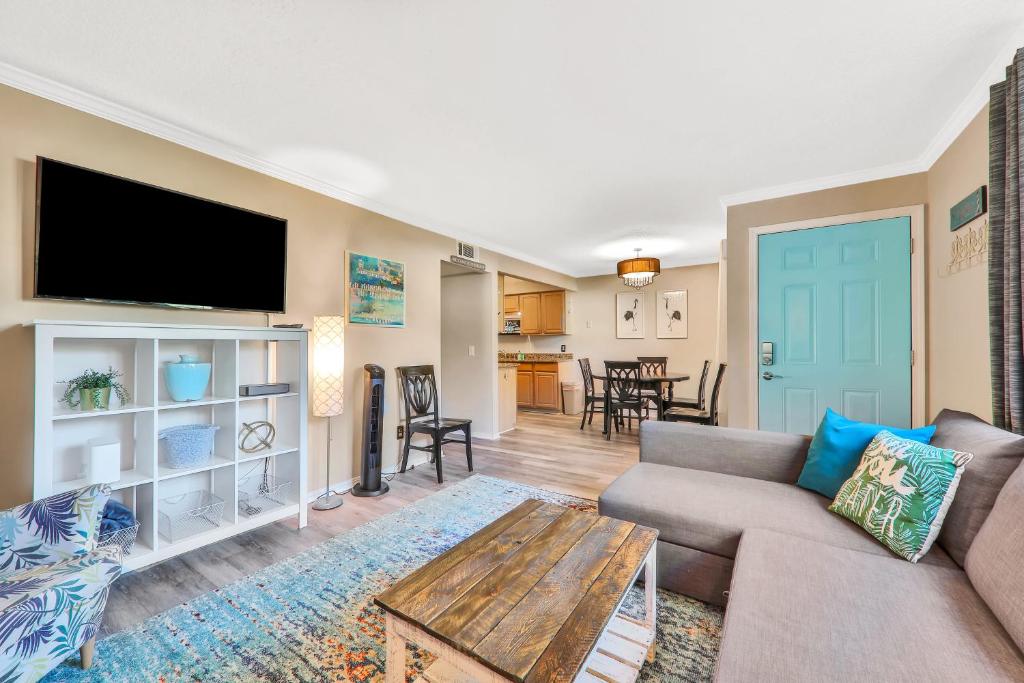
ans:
(708, 511)
(805, 611)
(837, 447)
(901, 491)
(995, 562)
(996, 455)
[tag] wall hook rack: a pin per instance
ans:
(967, 250)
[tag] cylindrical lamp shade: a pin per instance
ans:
(638, 272)
(328, 365)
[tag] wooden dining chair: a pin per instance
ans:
(704, 417)
(422, 416)
(622, 394)
(653, 366)
(698, 402)
(591, 399)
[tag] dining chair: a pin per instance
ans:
(698, 402)
(653, 366)
(623, 392)
(698, 415)
(591, 399)
(422, 416)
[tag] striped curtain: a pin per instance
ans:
(1006, 193)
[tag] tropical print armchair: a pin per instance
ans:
(54, 582)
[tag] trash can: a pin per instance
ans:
(572, 398)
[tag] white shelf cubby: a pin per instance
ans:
(239, 355)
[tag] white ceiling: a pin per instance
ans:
(563, 132)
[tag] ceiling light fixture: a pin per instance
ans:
(638, 272)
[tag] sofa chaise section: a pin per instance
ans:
(812, 597)
(806, 611)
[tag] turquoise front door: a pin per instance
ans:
(834, 325)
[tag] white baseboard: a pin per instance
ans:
(488, 437)
(414, 461)
(346, 485)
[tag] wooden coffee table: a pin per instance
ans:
(534, 596)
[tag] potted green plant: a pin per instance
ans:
(91, 390)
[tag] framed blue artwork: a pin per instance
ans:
(375, 290)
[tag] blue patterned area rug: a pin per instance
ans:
(312, 618)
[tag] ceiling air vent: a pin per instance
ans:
(468, 251)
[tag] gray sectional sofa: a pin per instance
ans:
(810, 596)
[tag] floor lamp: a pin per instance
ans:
(328, 387)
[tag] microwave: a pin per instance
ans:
(512, 326)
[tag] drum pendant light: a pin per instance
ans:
(638, 272)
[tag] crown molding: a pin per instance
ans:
(975, 101)
(52, 90)
(100, 107)
(820, 183)
(961, 117)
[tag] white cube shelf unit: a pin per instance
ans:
(148, 485)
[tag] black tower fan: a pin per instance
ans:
(373, 433)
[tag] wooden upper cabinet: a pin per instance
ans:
(529, 305)
(552, 308)
(511, 303)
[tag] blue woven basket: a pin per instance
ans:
(189, 445)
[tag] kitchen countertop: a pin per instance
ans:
(534, 357)
(506, 364)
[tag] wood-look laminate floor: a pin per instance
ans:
(545, 450)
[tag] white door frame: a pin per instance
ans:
(918, 342)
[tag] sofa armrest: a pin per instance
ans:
(49, 611)
(770, 456)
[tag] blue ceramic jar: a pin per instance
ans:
(188, 378)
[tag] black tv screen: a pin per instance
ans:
(104, 238)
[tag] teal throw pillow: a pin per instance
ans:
(901, 491)
(837, 447)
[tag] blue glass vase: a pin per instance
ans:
(188, 378)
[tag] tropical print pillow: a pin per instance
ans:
(900, 492)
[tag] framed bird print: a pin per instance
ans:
(670, 314)
(629, 315)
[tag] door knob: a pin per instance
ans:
(769, 375)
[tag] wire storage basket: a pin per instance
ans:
(124, 538)
(259, 493)
(189, 514)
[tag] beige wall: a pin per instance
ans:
(469, 383)
(320, 230)
(957, 359)
(593, 304)
(958, 351)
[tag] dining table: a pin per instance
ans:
(669, 377)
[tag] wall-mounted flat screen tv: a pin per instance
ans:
(109, 239)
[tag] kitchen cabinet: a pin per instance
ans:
(529, 306)
(537, 385)
(524, 387)
(539, 312)
(545, 389)
(552, 312)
